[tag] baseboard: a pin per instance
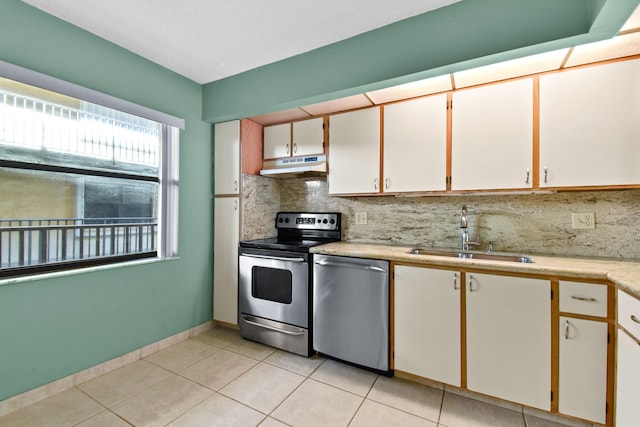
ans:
(32, 396)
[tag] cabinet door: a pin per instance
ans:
(354, 152)
(227, 157)
(628, 381)
(583, 369)
(589, 126)
(492, 137)
(509, 338)
(415, 145)
(427, 323)
(277, 141)
(225, 259)
(308, 137)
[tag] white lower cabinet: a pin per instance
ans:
(628, 381)
(427, 323)
(628, 371)
(582, 389)
(508, 338)
(225, 259)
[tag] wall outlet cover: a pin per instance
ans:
(361, 218)
(583, 220)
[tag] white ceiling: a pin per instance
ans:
(206, 40)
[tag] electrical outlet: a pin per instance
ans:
(361, 218)
(583, 220)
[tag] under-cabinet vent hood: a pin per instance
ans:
(293, 166)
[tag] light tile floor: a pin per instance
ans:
(218, 379)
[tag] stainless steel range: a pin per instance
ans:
(275, 280)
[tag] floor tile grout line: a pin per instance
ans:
(104, 407)
(444, 392)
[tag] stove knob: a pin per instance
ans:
(280, 220)
(324, 221)
(333, 221)
(286, 220)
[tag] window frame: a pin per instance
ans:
(168, 176)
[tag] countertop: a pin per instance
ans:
(624, 274)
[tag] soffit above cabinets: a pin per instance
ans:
(509, 69)
(411, 90)
(281, 116)
(617, 47)
(633, 23)
(627, 43)
(341, 104)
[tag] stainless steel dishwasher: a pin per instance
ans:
(351, 310)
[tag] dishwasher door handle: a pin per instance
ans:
(350, 265)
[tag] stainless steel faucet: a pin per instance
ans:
(465, 231)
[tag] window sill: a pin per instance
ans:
(65, 273)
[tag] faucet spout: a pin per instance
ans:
(463, 218)
(465, 231)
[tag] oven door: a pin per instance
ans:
(274, 285)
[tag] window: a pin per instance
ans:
(82, 183)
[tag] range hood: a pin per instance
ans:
(292, 167)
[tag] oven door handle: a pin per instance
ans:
(350, 265)
(273, 328)
(276, 258)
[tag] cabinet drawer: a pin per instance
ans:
(629, 313)
(583, 298)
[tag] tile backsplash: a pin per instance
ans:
(532, 223)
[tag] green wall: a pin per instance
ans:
(465, 35)
(51, 328)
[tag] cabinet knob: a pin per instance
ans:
(235, 205)
(375, 183)
(455, 281)
(387, 183)
(546, 175)
(526, 181)
(235, 185)
(470, 283)
(566, 329)
(287, 149)
(295, 148)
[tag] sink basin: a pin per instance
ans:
(473, 255)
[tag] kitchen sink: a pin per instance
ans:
(473, 255)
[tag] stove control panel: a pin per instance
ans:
(311, 221)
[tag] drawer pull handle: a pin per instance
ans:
(635, 319)
(584, 299)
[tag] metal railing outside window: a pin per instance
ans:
(33, 242)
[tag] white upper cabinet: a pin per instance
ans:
(590, 126)
(492, 137)
(227, 157)
(354, 152)
(415, 142)
(277, 141)
(308, 137)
